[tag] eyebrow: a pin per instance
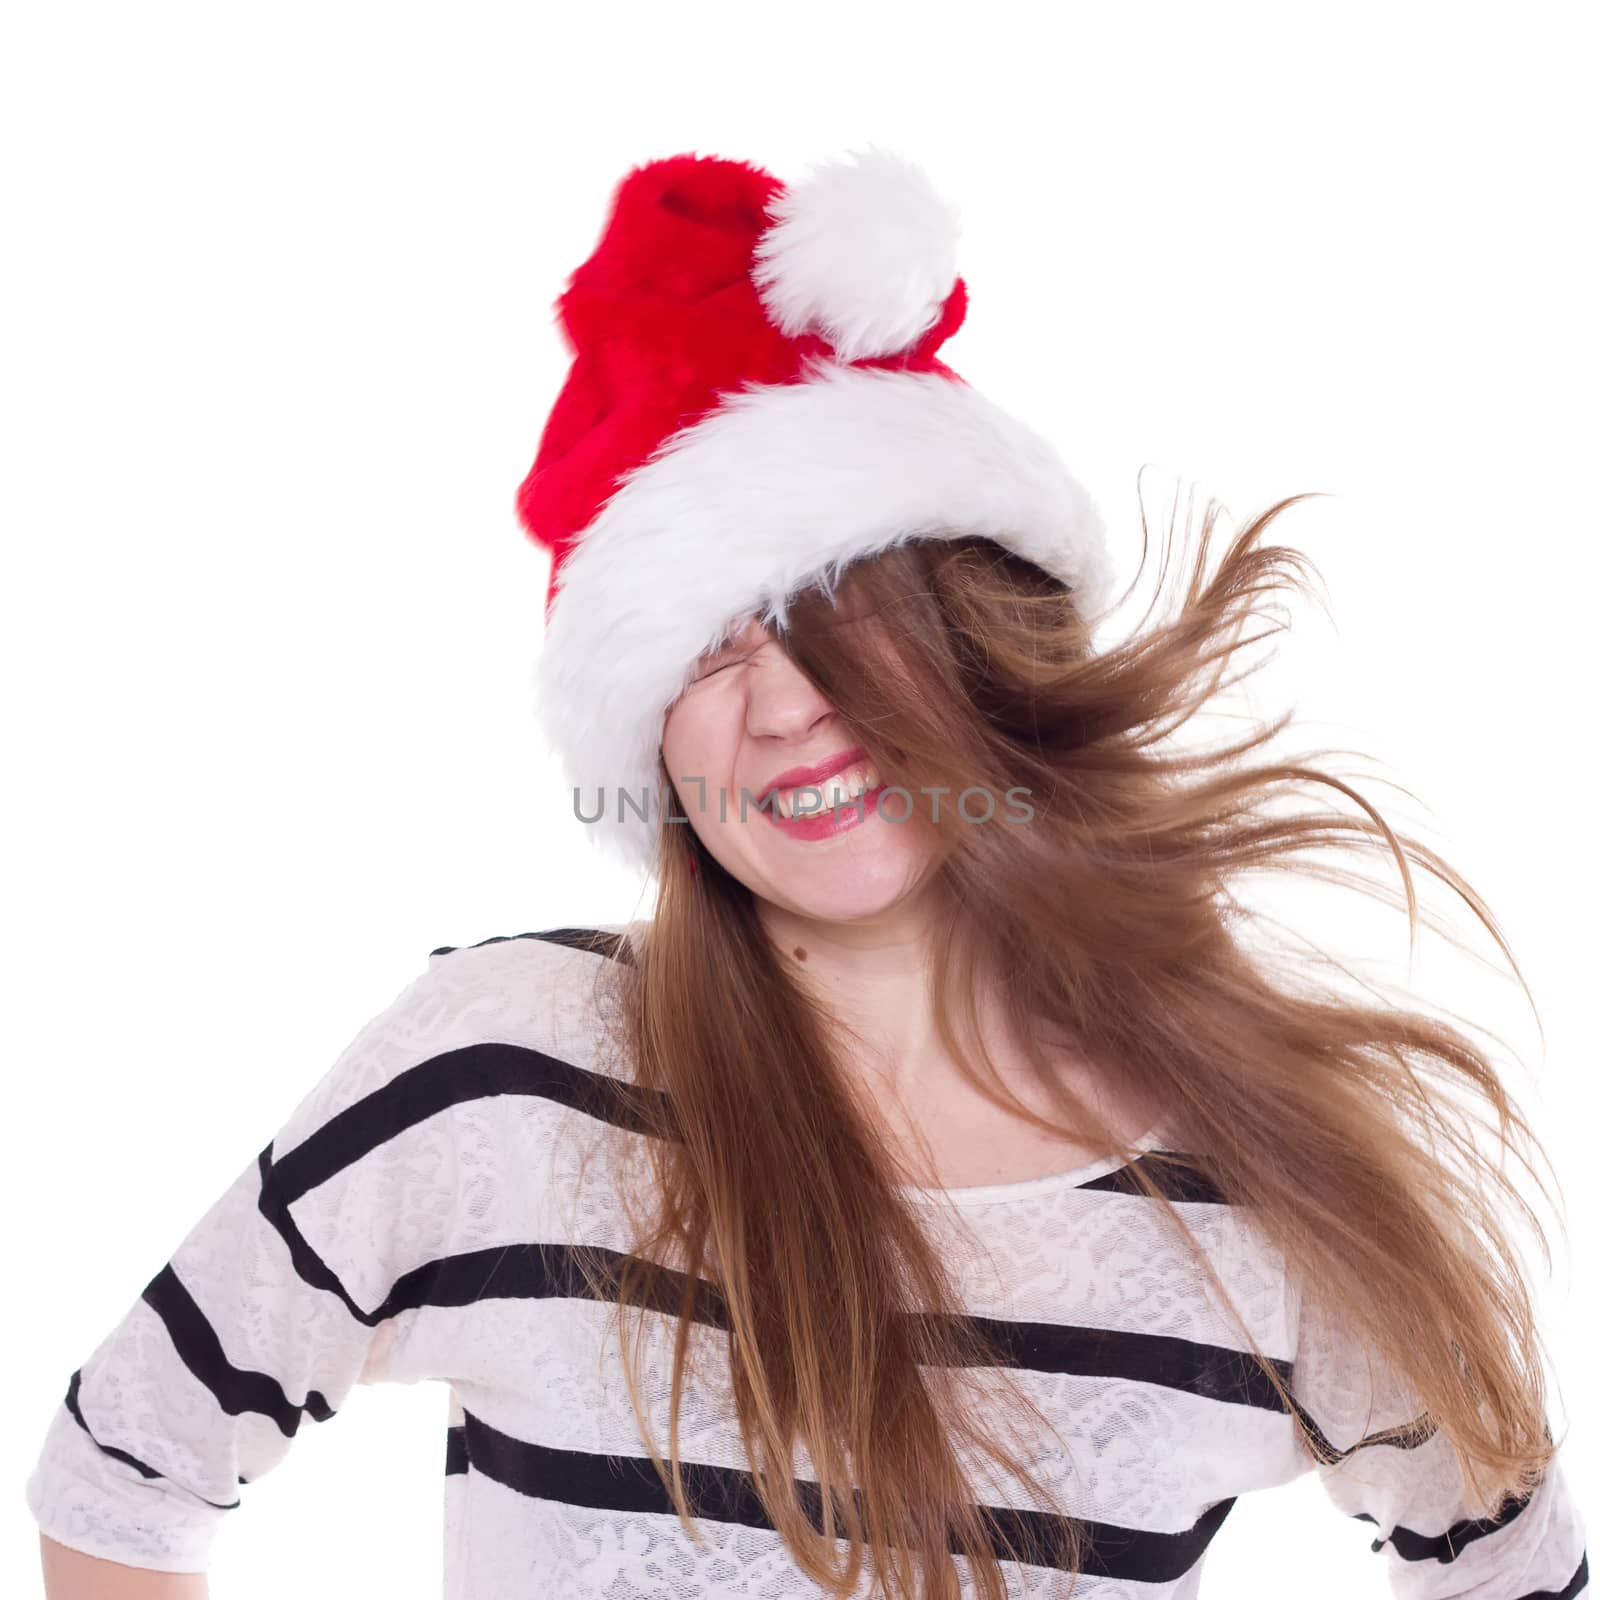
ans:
(712, 657)
(739, 641)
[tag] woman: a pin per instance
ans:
(972, 1205)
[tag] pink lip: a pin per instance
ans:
(829, 821)
(823, 770)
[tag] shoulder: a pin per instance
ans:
(461, 1023)
(551, 989)
(606, 940)
(476, 1056)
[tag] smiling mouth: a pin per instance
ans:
(806, 800)
(817, 774)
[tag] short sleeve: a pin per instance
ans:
(300, 1281)
(1414, 1494)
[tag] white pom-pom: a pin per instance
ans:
(863, 254)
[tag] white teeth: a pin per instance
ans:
(838, 790)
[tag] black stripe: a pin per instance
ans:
(473, 1072)
(727, 1494)
(525, 1463)
(1410, 1545)
(552, 1272)
(273, 1204)
(1382, 1437)
(1570, 1590)
(122, 1455)
(237, 1389)
(1412, 1441)
(1416, 1542)
(1181, 1185)
(595, 940)
(1190, 1366)
(73, 1385)
(1446, 1546)
(479, 1071)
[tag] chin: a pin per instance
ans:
(848, 885)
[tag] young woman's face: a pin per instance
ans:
(752, 719)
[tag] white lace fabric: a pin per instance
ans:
(383, 1237)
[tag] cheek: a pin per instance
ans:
(699, 740)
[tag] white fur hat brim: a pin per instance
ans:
(776, 491)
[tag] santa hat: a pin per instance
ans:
(756, 401)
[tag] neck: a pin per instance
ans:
(872, 977)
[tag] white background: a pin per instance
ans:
(277, 347)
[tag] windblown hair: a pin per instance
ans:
(1112, 917)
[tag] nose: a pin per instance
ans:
(782, 701)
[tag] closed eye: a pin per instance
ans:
(718, 666)
(735, 650)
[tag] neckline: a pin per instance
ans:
(1028, 1188)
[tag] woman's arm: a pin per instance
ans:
(1434, 1546)
(272, 1308)
(71, 1575)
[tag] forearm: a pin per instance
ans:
(71, 1575)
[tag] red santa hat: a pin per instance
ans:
(755, 402)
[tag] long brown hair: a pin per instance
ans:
(1112, 916)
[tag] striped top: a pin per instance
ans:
(376, 1239)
